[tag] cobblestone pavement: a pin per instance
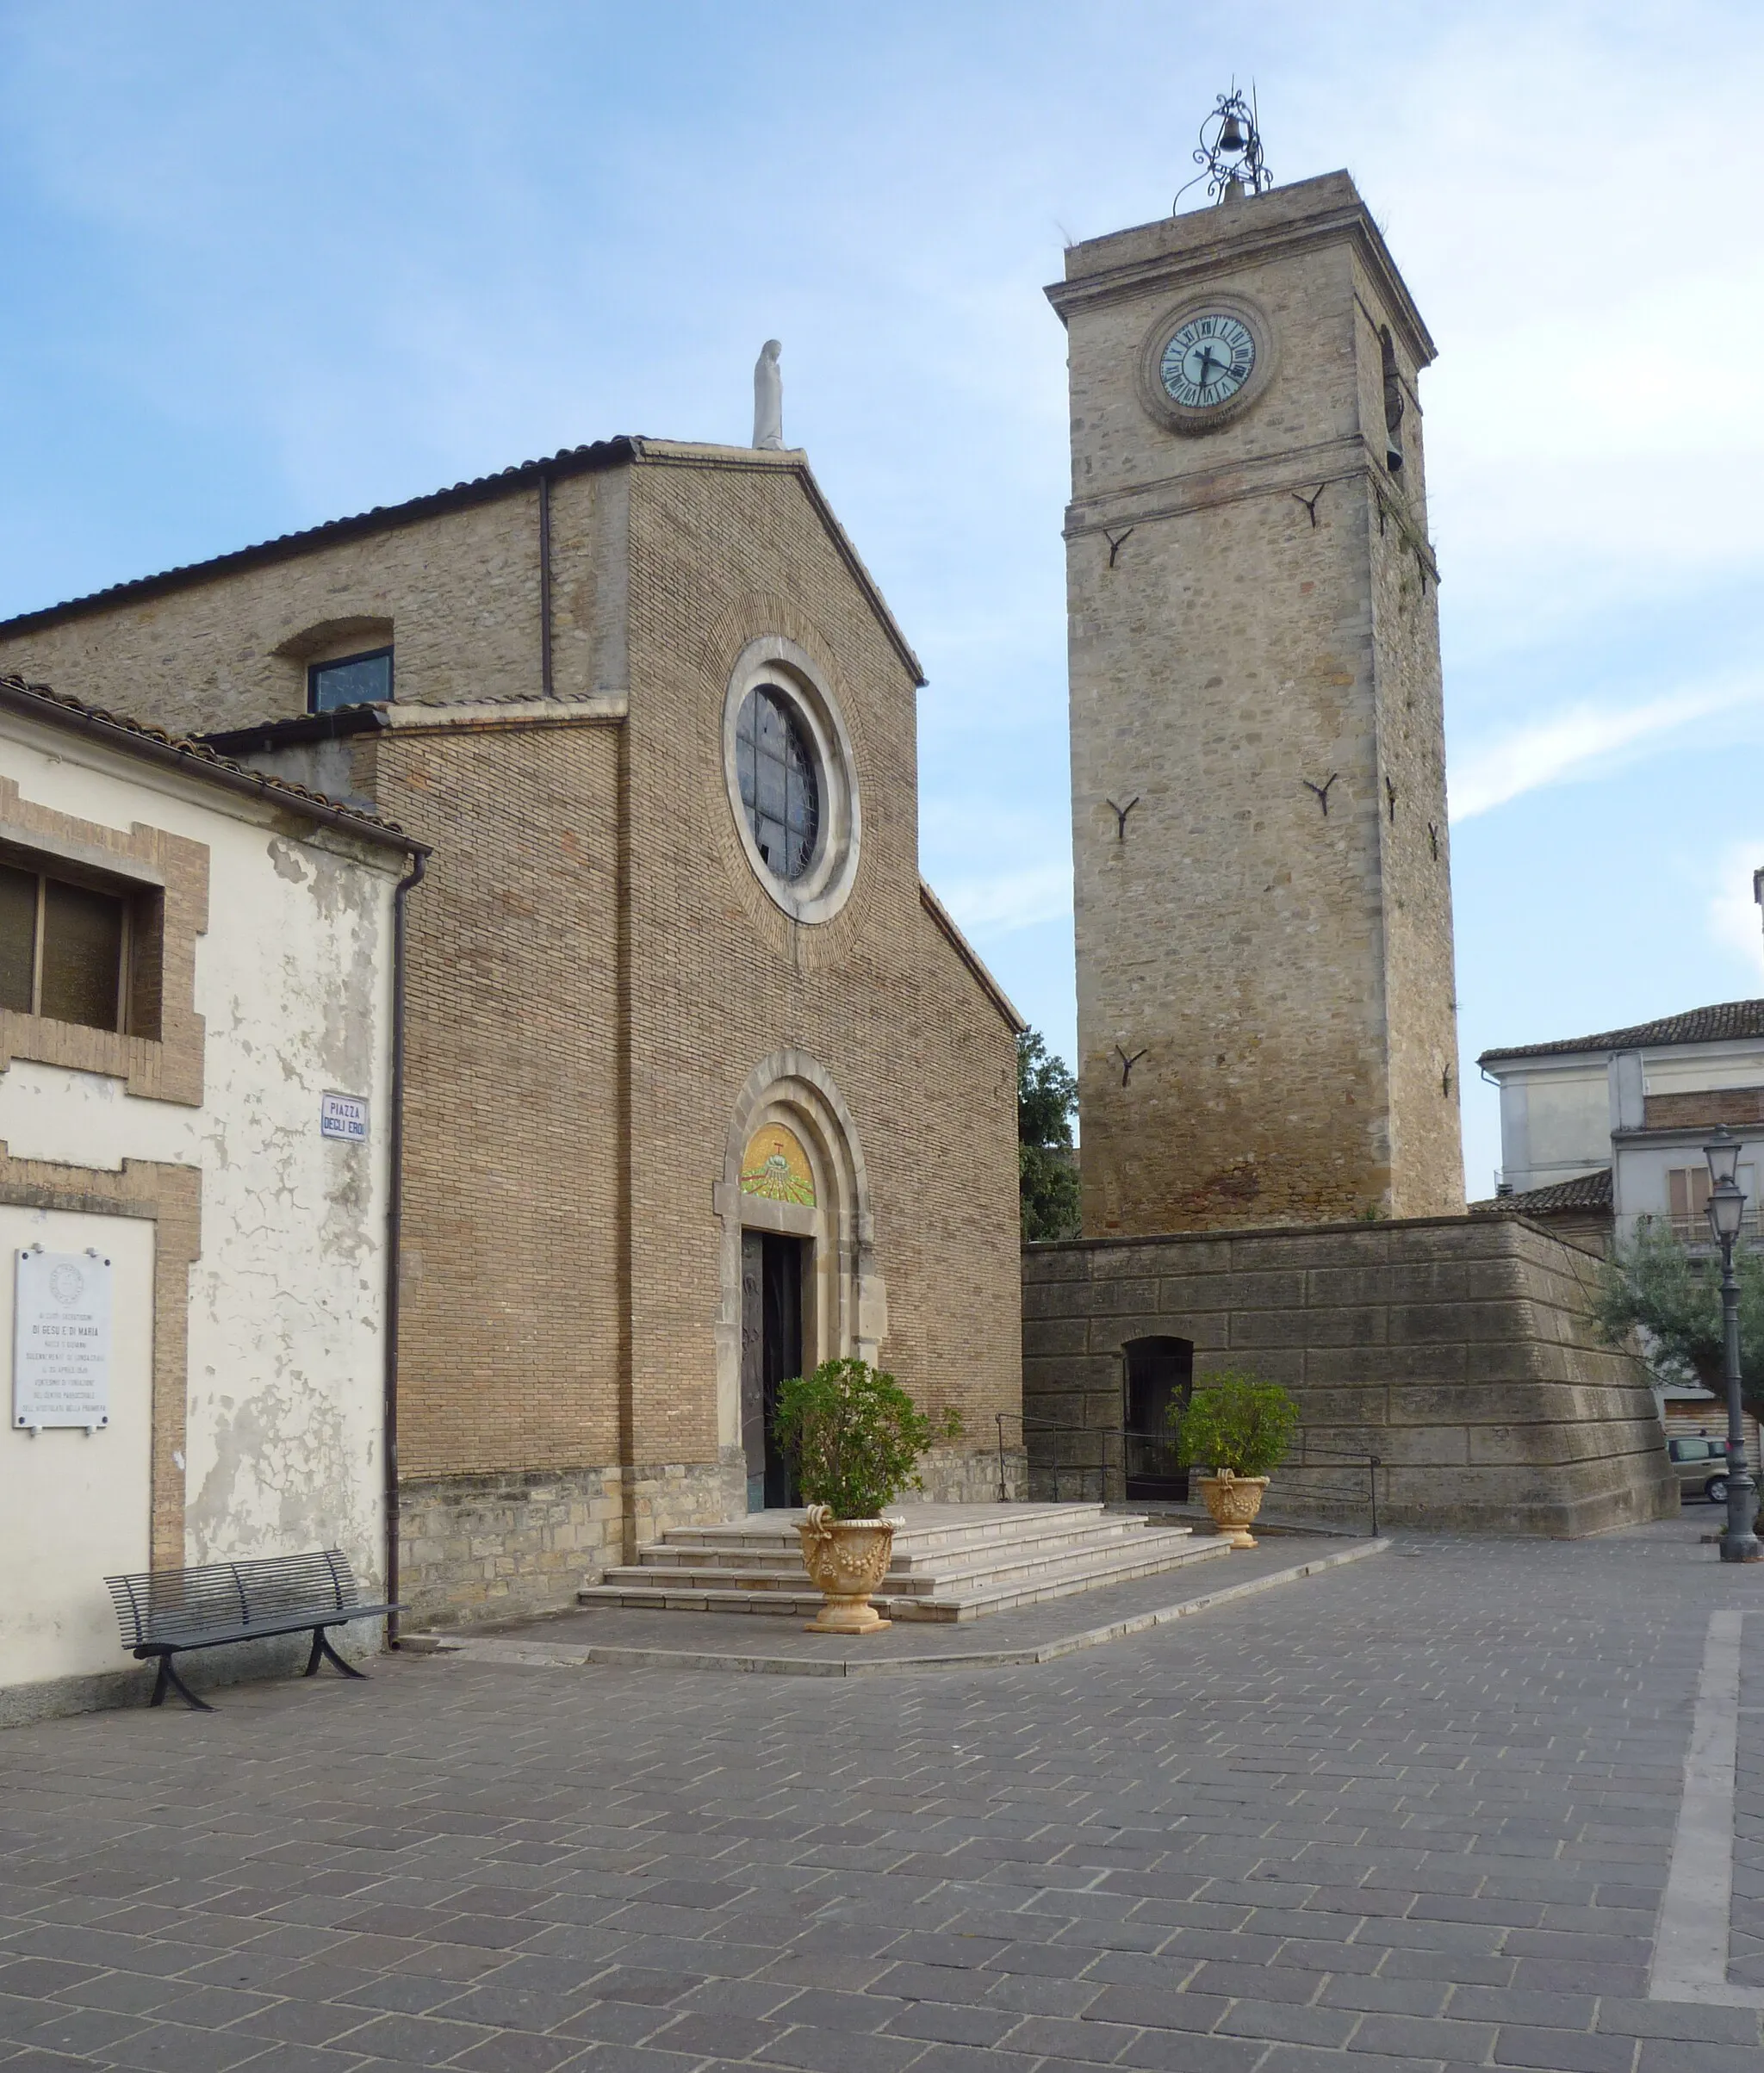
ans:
(1413, 1814)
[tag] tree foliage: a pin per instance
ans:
(1048, 1175)
(1651, 1283)
(1235, 1420)
(854, 1436)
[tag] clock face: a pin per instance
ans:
(1207, 361)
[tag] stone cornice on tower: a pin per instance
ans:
(1197, 244)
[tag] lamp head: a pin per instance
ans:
(1723, 1153)
(1727, 1209)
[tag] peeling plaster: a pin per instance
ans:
(286, 1350)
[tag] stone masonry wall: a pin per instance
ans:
(1279, 975)
(1389, 510)
(722, 553)
(511, 1310)
(485, 1548)
(1457, 1349)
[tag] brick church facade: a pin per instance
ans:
(702, 1083)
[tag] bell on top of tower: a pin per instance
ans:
(1230, 152)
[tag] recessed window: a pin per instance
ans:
(780, 784)
(1688, 1200)
(78, 949)
(364, 679)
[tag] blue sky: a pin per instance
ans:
(271, 265)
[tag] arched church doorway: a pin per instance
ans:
(1157, 1378)
(798, 1281)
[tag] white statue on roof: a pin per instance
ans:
(768, 399)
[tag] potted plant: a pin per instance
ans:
(1240, 1427)
(853, 1437)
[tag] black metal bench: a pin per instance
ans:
(164, 1611)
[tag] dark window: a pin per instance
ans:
(77, 950)
(780, 785)
(364, 679)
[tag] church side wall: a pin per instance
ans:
(460, 589)
(511, 1330)
(1456, 1349)
(1415, 864)
(722, 978)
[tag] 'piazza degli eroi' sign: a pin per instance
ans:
(61, 1340)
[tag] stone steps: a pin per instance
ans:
(950, 1562)
(912, 1564)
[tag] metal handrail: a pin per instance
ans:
(1309, 1453)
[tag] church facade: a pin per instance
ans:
(703, 1085)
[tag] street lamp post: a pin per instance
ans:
(1727, 1206)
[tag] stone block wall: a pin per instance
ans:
(474, 1550)
(1457, 1349)
(971, 1476)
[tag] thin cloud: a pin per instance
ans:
(1580, 741)
(1005, 902)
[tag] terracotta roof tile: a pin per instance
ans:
(570, 460)
(1725, 1019)
(52, 704)
(1587, 1191)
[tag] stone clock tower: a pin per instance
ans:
(1266, 1025)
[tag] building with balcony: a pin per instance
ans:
(1608, 1129)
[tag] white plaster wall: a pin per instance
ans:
(1640, 1182)
(293, 977)
(74, 1505)
(1555, 1123)
(1695, 1071)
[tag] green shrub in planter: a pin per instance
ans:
(1235, 1420)
(854, 1436)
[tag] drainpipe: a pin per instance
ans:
(544, 585)
(395, 1224)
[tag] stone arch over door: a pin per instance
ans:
(846, 1305)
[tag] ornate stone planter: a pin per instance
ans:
(1233, 1501)
(846, 1559)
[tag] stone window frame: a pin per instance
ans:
(171, 1197)
(166, 1068)
(778, 662)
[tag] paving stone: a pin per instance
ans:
(519, 2052)
(1670, 2055)
(1681, 2019)
(415, 2040)
(616, 2022)
(1174, 2051)
(1563, 2051)
(840, 2051)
